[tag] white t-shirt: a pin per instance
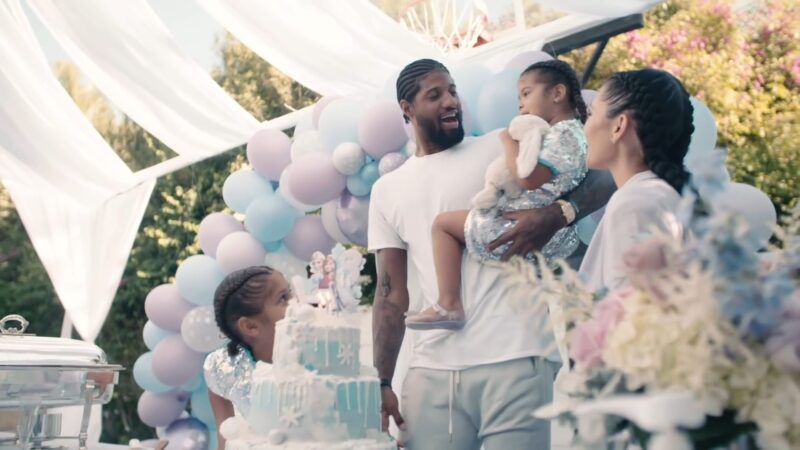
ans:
(404, 203)
(642, 202)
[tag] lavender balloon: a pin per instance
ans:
(307, 237)
(286, 193)
(165, 307)
(239, 250)
(160, 410)
(268, 152)
(174, 363)
(380, 130)
(521, 61)
(315, 181)
(390, 162)
(339, 121)
(351, 215)
(213, 228)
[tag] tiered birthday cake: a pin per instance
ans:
(316, 395)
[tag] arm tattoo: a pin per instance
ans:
(384, 284)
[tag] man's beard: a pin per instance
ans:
(443, 138)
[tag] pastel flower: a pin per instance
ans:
(589, 337)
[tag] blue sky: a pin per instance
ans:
(191, 26)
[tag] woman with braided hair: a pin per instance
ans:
(640, 129)
(247, 305)
(550, 101)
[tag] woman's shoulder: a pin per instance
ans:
(648, 196)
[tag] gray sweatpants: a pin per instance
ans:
(490, 405)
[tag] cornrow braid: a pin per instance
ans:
(407, 84)
(663, 119)
(239, 295)
(559, 72)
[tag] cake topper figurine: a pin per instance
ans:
(334, 284)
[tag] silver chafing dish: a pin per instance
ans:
(41, 373)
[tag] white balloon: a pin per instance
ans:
(348, 158)
(305, 144)
(753, 206)
(283, 261)
(199, 330)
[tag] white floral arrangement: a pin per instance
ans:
(703, 314)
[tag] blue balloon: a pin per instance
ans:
(201, 407)
(704, 137)
(144, 377)
(357, 186)
(270, 218)
(152, 335)
(369, 173)
(242, 187)
(273, 246)
(188, 434)
(586, 228)
(338, 122)
(469, 81)
(497, 102)
(197, 278)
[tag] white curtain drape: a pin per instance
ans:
(128, 53)
(333, 47)
(84, 249)
(80, 204)
(601, 8)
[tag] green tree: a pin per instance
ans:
(744, 63)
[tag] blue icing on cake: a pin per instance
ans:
(316, 394)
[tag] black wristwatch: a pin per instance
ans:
(385, 382)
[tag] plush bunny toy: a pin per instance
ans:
(528, 130)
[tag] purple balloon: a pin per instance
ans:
(160, 410)
(351, 215)
(380, 130)
(174, 363)
(522, 60)
(268, 151)
(187, 434)
(213, 228)
(319, 107)
(240, 250)
(390, 162)
(165, 307)
(315, 181)
(307, 237)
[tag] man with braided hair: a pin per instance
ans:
(480, 385)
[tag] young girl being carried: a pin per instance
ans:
(550, 95)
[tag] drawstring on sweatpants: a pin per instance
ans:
(455, 380)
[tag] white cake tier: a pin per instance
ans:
(305, 406)
(318, 341)
(356, 444)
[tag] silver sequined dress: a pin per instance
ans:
(230, 377)
(564, 153)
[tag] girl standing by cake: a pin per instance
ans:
(247, 305)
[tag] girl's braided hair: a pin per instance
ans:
(556, 72)
(241, 294)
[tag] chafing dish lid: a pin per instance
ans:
(20, 349)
